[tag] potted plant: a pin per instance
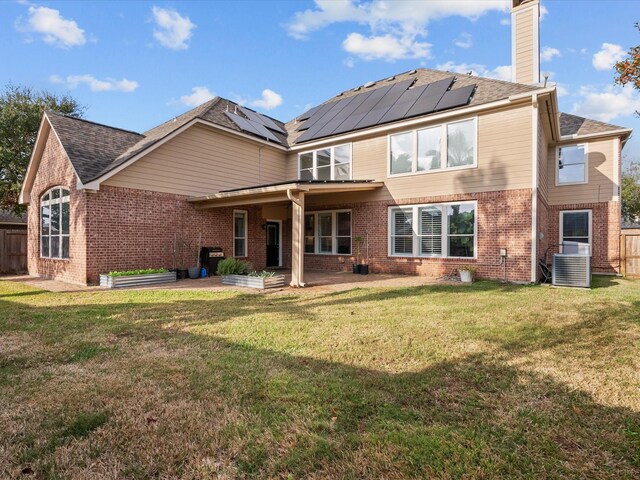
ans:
(356, 267)
(178, 258)
(467, 273)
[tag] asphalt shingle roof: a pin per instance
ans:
(91, 147)
(96, 149)
(574, 125)
(10, 217)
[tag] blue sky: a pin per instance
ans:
(136, 64)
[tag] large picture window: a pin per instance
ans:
(328, 232)
(447, 230)
(438, 148)
(331, 163)
(54, 223)
(572, 165)
(239, 233)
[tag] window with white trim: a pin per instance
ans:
(450, 145)
(446, 230)
(331, 163)
(240, 227)
(575, 226)
(572, 165)
(328, 233)
(54, 223)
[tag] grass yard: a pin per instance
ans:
(485, 381)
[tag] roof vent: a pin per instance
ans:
(356, 89)
(369, 84)
(391, 79)
(413, 72)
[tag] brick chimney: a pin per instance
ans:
(525, 41)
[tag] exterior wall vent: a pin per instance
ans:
(571, 270)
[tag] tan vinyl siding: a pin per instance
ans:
(200, 161)
(600, 175)
(503, 162)
(524, 46)
(543, 158)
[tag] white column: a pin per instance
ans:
(297, 238)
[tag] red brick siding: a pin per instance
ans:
(605, 218)
(56, 170)
(504, 221)
(131, 229)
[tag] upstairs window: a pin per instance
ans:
(572, 165)
(438, 148)
(54, 223)
(331, 163)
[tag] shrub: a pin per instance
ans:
(232, 266)
(127, 273)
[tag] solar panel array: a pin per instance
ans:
(256, 124)
(382, 105)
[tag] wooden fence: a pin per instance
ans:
(13, 251)
(630, 253)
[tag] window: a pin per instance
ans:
(572, 165)
(239, 233)
(423, 150)
(575, 226)
(332, 163)
(54, 223)
(328, 232)
(447, 230)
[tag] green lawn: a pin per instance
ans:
(485, 381)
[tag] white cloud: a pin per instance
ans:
(547, 54)
(465, 40)
(385, 47)
(95, 85)
(349, 62)
(173, 30)
(198, 96)
(55, 29)
(502, 72)
(269, 100)
(612, 102)
(607, 57)
(561, 90)
(543, 12)
(395, 29)
(505, 22)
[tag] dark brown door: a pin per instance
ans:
(273, 244)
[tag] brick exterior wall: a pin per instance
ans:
(605, 218)
(504, 221)
(56, 170)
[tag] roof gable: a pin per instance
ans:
(575, 125)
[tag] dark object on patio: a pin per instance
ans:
(364, 269)
(194, 272)
(210, 257)
(182, 273)
(355, 268)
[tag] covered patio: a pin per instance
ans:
(292, 194)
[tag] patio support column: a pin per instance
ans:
(297, 238)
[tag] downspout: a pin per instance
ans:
(534, 188)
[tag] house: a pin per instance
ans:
(12, 221)
(432, 169)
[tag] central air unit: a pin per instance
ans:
(571, 270)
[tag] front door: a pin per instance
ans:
(273, 244)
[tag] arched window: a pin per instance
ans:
(54, 223)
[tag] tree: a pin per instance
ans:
(631, 193)
(21, 111)
(628, 69)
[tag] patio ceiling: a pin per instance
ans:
(280, 192)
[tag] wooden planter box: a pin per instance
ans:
(253, 282)
(137, 280)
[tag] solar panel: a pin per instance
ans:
(404, 103)
(251, 127)
(430, 98)
(385, 103)
(342, 116)
(364, 108)
(456, 98)
(318, 114)
(308, 114)
(326, 118)
(261, 119)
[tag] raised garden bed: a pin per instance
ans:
(118, 280)
(253, 282)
